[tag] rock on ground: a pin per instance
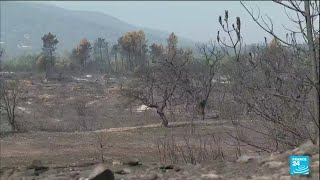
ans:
(101, 173)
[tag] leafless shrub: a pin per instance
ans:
(203, 75)
(11, 96)
(158, 85)
(80, 107)
(271, 81)
(84, 114)
(101, 145)
(82, 123)
(192, 149)
(230, 110)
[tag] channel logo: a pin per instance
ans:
(299, 165)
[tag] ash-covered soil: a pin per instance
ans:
(64, 141)
(274, 166)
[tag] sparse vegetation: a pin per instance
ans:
(23, 63)
(10, 98)
(50, 42)
(101, 145)
(190, 149)
(127, 96)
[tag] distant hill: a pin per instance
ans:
(23, 25)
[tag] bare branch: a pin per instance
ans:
(293, 7)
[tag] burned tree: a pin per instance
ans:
(307, 15)
(156, 51)
(160, 84)
(274, 83)
(115, 51)
(133, 44)
(101, 53)
(82, 53)
(49, 46)
(211, 56)
(10, 98)
(1, 53)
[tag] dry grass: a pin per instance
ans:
(82, 123)
(190, 149)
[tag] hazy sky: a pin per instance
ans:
(197, 20)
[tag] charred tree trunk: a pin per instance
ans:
(160, 110)
(116, 61)
(201, 108)
(108, 58)
(163, 117)
(49, 63)
(122, 63)
(315, 77)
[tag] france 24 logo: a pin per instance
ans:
(299, 165)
